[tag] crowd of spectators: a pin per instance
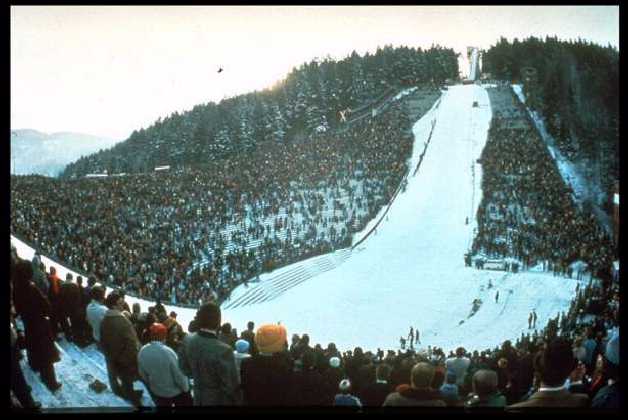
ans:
(189, 235)
(527, 211)
(569, 363)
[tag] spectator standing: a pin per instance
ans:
(19, 387)
(376, 392)
(35, 311)
(459, 365)
(308, 384)
(175, 331)
(419, 393)
(344, 398)
(485, 392)
(449, 390)
(159, 369)
(267, 376)
(249, 335)
(240, 353)
(554, 364)
(56, 319)
(39, 276)
(95, 312)
(610, 396)
(209, 361)
(70, 305)
(332, 377)
(120, 346)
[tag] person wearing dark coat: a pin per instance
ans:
(70, 305)
(58, 322)
(419, 393)
(375, 393)
(308, 384)
(332, 377)
(19, 387)
(267, 377)
(553, 364)
(209, 361)
(120, 346)
(85, 329)
(249, 335)
(610, 396)
(35, 311)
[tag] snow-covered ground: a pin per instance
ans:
(411, 271)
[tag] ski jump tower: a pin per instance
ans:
(473, 54)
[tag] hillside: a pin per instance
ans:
(573, 85)
(34, 152)
(308, 100)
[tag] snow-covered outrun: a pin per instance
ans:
(409, 272)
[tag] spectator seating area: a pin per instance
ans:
(191, 235)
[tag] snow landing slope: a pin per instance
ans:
(411, 272)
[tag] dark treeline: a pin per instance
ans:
(576, 90)
(309, 97)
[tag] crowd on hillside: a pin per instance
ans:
(527, 210)
(567, 364)
(188, 236)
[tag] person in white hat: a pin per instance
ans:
(345, 399)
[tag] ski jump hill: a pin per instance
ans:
(407, 269)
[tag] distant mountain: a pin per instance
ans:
(34, 152)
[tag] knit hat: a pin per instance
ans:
(158, 331)
(334, 362)
(345, 385)
(242, 346)
(271, 338)
(612, 349)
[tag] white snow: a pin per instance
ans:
(411, 271)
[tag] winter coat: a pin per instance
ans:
(609, 397)
(249, 336)
(55, 286)
(70, 298)
(95, 313)
(495, 400)
(413, 397)
(459, 365)
(347, 400)
(211, 364)
(308, 389)
(175, 333)
(239, 357)
(159, 368)
(562, 398)
(35, 310)
(119, 343)
(375, 393)
(39, 277)
(332, 378)
(266, 379)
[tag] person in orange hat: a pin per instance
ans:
(266, 377)
(159, 370)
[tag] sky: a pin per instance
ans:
(108, 70)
